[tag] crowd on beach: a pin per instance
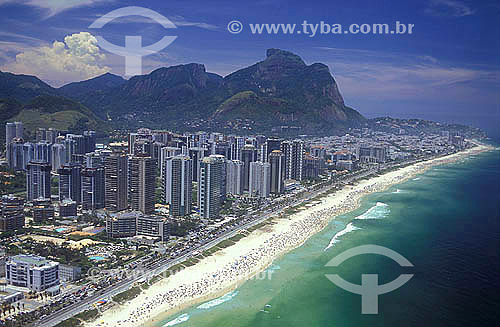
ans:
(302, 226)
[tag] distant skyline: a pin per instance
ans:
(447, 70)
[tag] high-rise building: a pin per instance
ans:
(116, 182)
(95, 159)
(90, 141)
(294, 159)
(260, 179)
(78, 147)
(239, 144)
(248, 155)
(37, 180)
(143, 147)
(46, 135)
(165, 153)
(141, 183)
(93, 188)
(10, 132)
(43, 151)
(197, 154)
(270, 146)
(70, 146)
(11, 213)
(234, 177)
(211, 186)
(19, 129)
(177, 185)
(59, 156)
(143, 135)
(13, 130)
(221, 148)
(277, 162)
(28, 153)
(70, 182)
(15, 154)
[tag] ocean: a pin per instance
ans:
(446, 222)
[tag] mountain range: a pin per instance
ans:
(281, 90)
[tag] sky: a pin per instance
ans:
(447, 69)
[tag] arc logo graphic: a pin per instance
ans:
(369, 288)
(133, 51)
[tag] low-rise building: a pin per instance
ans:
(42, 210)
(33, 272)
(67, 208)
(122, 224)
(69, 273)
(153, 226)
(11, 213)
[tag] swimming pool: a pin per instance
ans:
(97, 258)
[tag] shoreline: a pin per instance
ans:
(227, 269)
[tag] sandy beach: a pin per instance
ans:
(226, 269)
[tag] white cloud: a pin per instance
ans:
(430, 59)
(381, 81)
(381, 76)
(77, 58)
(54, 7)
(181, 21)
(453, 8)
(177, 20)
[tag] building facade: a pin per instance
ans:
(142, 183)
(33, 272)
(260, 179)
(153, 226)
(93, 188)
(116, 182)
(177, 185)
(122, 224)
(70, 182)
(294, 159)
(234, 177)
(11, 213)
(37, 180)
(211, 186)
(248, 155)
(277, 162)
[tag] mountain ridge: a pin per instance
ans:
(279, 90)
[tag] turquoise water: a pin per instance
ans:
(61, 229)
(445, 222)
(97, 258)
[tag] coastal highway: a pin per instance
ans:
(164, 264)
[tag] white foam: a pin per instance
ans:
(218, 301)
(416, 179)
(378, 211)
(349, 228)
(179, 320)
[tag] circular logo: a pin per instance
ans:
(235, 27)
(94, 273)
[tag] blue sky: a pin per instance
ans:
(447, 69)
